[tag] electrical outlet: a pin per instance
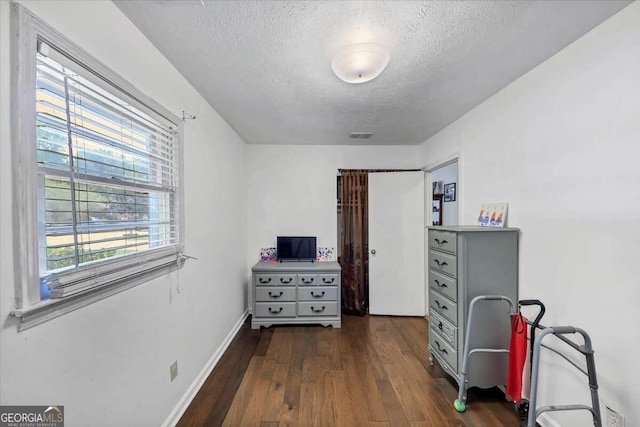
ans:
(173, 370)
(614, 419)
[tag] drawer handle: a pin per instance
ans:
(304, 280)
(438, 284)
(265, 281)
(441, 306)
(318, 311)
(325, 280)
(316, 295)
(276, 296)
(287, 281)
(440, 325)
(440, 243)
(440, 264)
(443, 350)
(275, 311)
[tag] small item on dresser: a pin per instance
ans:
(493, 215)
(268, 255)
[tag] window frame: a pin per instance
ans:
(26, 30)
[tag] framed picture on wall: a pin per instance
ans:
(450, 192)
(436, 210)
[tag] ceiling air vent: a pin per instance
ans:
(360, 135)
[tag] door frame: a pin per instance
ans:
(428, 200)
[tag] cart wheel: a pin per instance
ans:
(460, 406)
(522, 408)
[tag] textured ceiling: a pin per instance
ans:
(266, 66)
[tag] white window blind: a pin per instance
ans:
(107, 180)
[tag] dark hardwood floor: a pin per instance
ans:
(374, 371)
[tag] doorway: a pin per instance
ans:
(444, 194)
(383, 208)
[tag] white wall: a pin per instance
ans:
(108, 363)
(448, 174)
(562, 146)
(292, 189)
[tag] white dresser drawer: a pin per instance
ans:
(275, 309)
(328, 279)
(276, 293)
(444, 350)
(265, 279)
(318, 308)
(286, 280)
(443, 263)
(442, 240)
(446, 330)
(307, 279)
(444, 307)
(444, 284)
(317, 293)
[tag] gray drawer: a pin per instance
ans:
(276, 293)
(317, 293)
(446, 330)
(443, 307)
(275, 309)
(328, 279)
(286, 280)
(443, 263)
(444, 284)
(307, 279)
(443, 240)
(318, 308)
(440, 347)
(265, 279)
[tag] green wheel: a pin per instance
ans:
(460, 406)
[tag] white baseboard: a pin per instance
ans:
(191, 392)
(546, 421)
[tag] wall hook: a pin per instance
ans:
(187, 116)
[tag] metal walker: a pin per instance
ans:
(460, 402)
(527, 409)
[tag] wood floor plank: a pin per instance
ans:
(364, 399)
(407, 400)
(274, 401)
(374, 372)
(244, 394)
(343, 400)
(291, 399)
(256, 406)
(325, 410)
(391, 403)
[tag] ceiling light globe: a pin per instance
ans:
(360, 62)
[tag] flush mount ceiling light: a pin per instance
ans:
(359, 63)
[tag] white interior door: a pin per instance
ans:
(396, 243)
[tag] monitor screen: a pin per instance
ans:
(296, 248)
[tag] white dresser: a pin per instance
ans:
(296, 293)
(465, 262)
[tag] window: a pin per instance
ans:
(100, 169)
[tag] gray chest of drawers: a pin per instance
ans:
(465, 262)
(296, 293)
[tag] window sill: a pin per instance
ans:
(50, 309)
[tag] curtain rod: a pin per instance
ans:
(379, 170)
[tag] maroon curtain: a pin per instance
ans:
(353, 242)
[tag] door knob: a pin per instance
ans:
(373, 251)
